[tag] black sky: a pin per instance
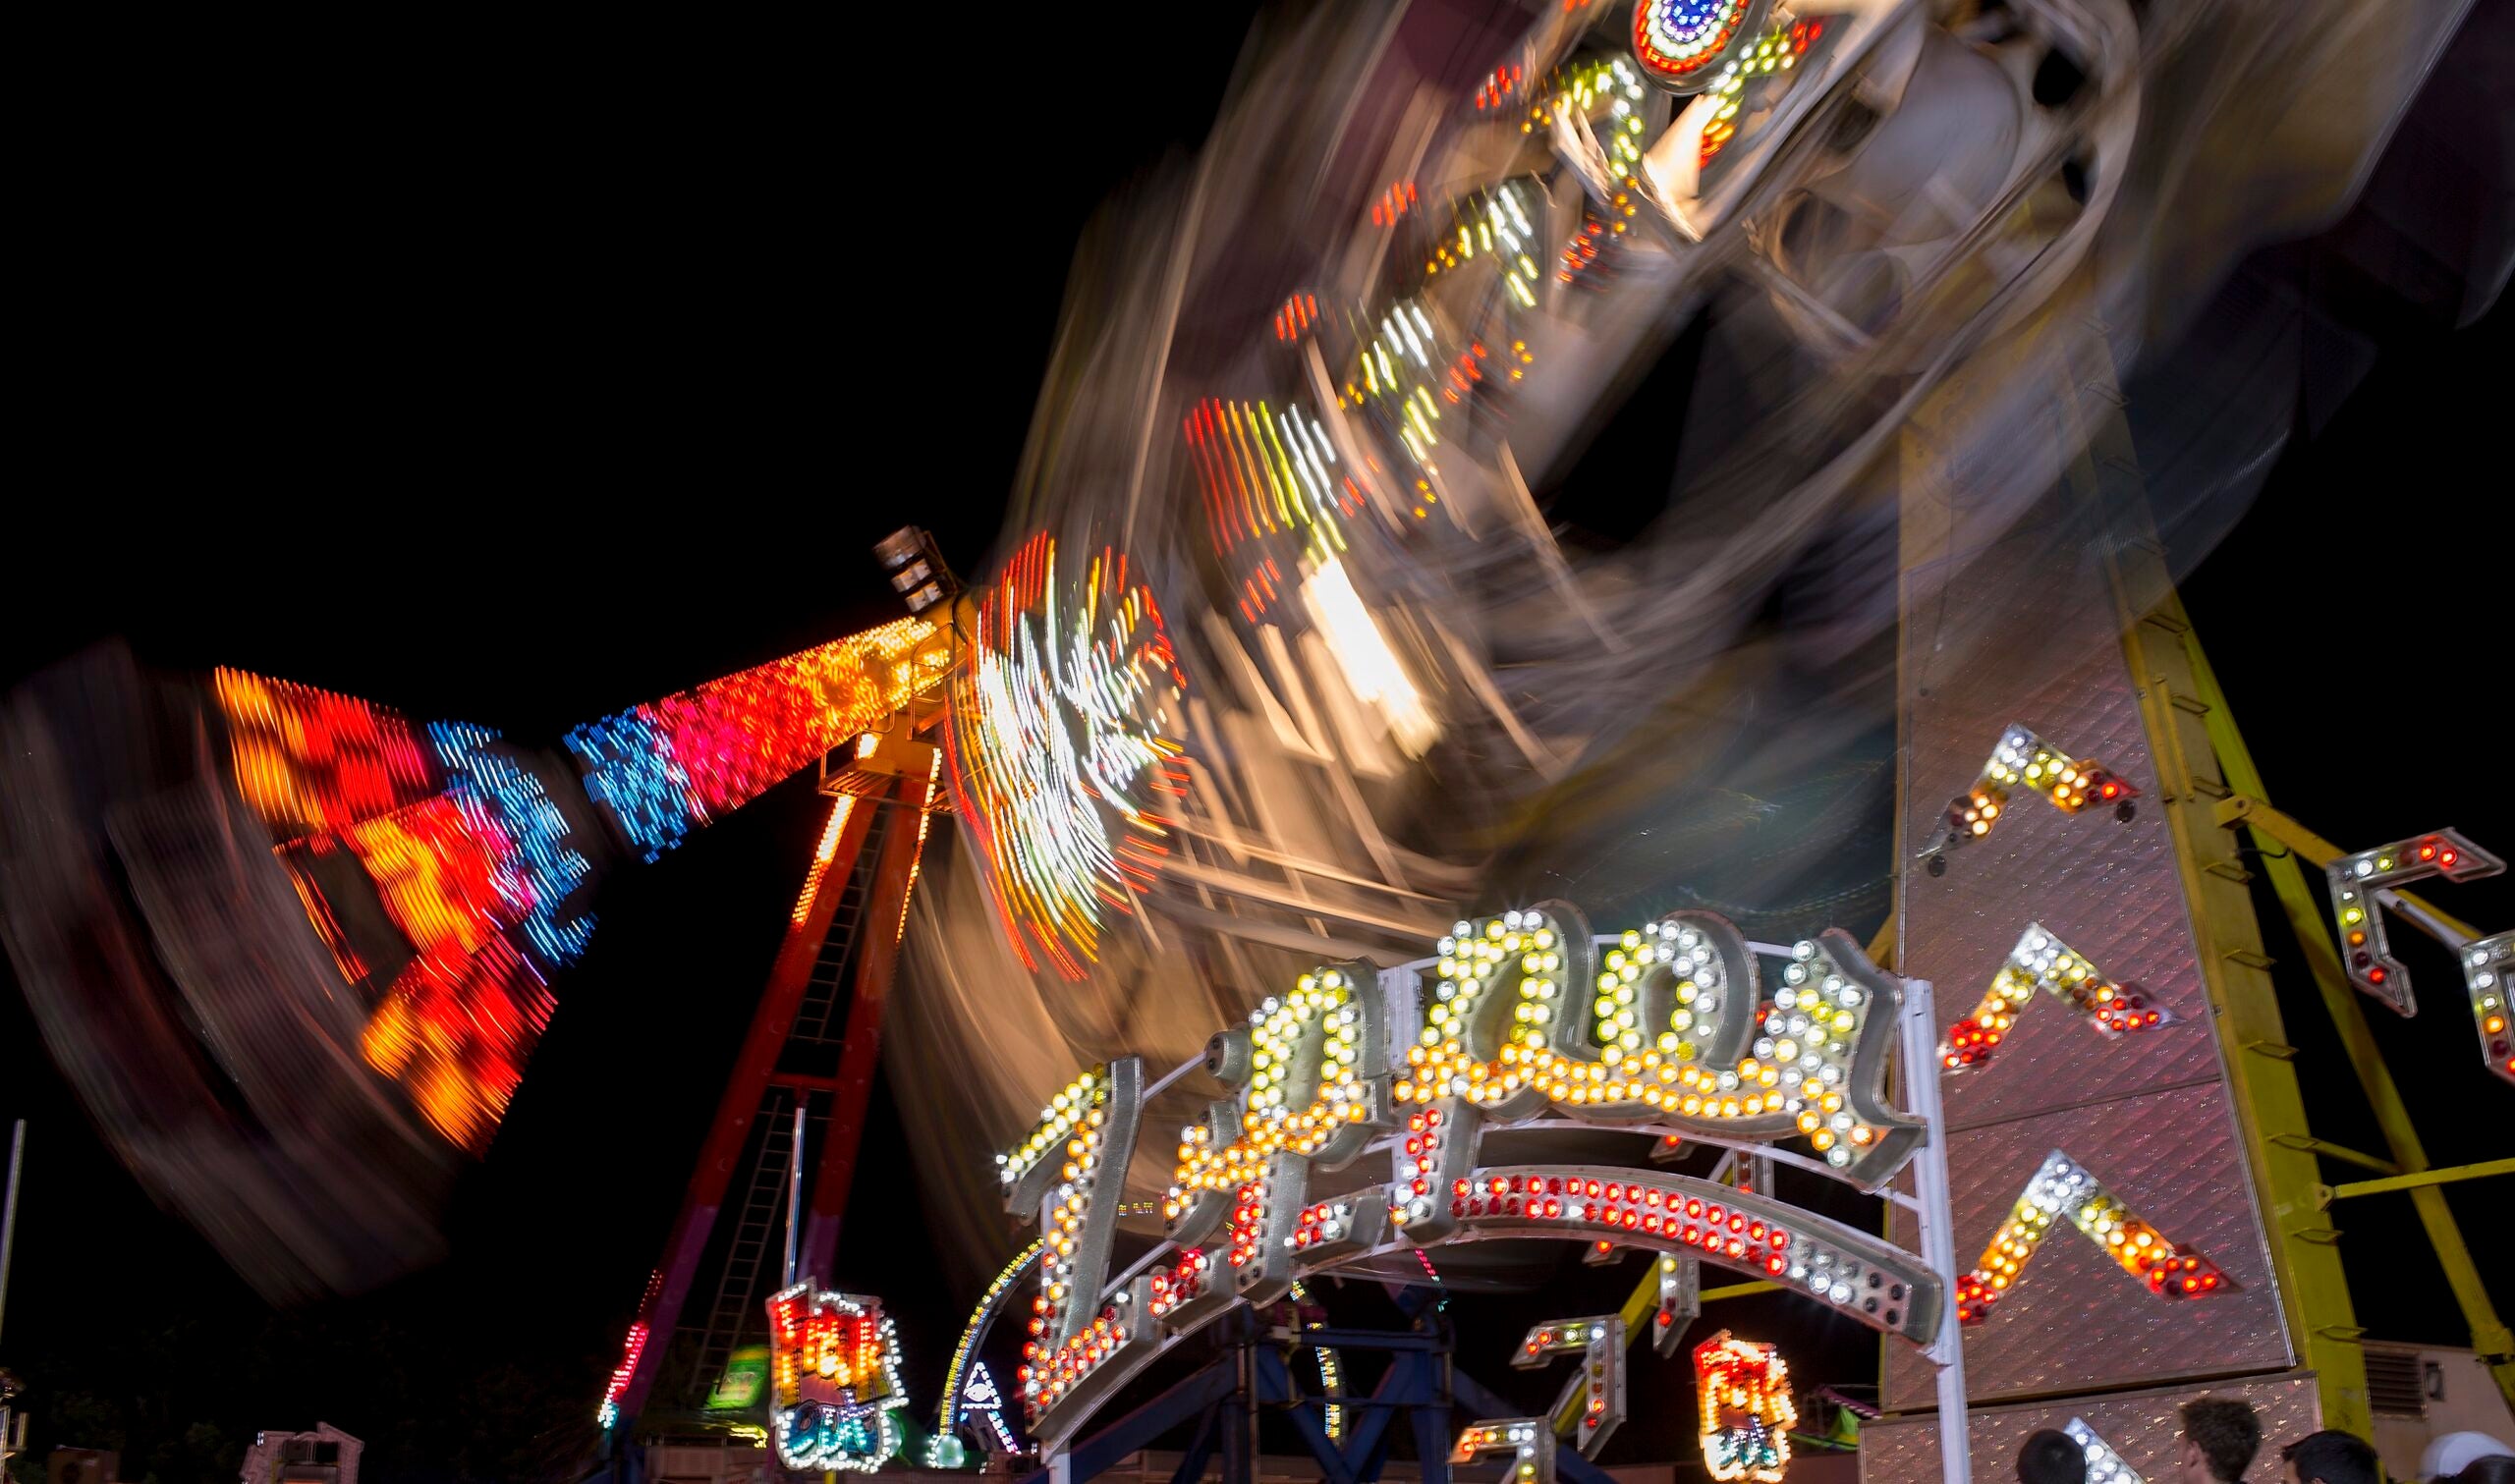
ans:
(517, 378)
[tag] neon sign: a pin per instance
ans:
(1743, 1389)
(834, 1369)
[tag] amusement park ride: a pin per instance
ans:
(444, 874)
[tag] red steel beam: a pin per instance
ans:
(751, 1073)
(884, 923)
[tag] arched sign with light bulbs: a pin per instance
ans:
(1523, 1020)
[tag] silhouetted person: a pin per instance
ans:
(2453, 1455)
(2217, 1443)
(2496, 1469)
(2052, 1457)
(2332, 1456)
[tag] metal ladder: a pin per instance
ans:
(815, 1015)
(755, 1234)
(757, 1241)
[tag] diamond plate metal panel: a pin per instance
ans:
(2109, 890)
(2023, 629)
(2075, 1321)
(2141, 1426)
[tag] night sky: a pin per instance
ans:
(514, 379)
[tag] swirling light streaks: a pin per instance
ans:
(1063, 749)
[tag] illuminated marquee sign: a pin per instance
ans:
(1527, 1441)
(2485, 966)
(745, 1380)
(1743, 1390)
(1680, 1301)
(834, 1374)
(1521, 1021)
(984, 1407)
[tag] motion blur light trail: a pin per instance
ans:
(444, 874)
(1063, 749)
(666, 767)
(471, 858)
(1347, 392)
(1318, 434)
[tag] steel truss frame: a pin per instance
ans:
(847, 926)
(2213, 795)
(1421, 1388)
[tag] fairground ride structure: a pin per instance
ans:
(441, 873)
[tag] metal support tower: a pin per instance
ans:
(2213, 793)
(814, 1043)
(2261, 1074)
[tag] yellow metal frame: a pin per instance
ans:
(2245, 810)
(2211, 791)
(2177, 706)
(2419, 1179)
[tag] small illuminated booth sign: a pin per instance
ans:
(834, 1366)
(1523, 1020)
(1742, 1389)
(745, 1380)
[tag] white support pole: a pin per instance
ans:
(9, 1221)
(13, 1422)
(1917, 1039)
(794, 1188)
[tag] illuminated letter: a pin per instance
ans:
(1501, 998)
(1666, 1003)
(1486, 1031)
(1815, 1060)
(1087, 1131)
(1598, 1383)
(1311, 1070)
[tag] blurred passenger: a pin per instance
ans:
(2217, 1443)
(2332, 1456)
(2052, 1457)
(2451, 1456)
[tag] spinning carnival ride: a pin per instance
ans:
(1223, 723)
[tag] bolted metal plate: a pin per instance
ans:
(2140, 1426)
(2023, 629)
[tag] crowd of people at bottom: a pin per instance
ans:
(2219, 1438)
